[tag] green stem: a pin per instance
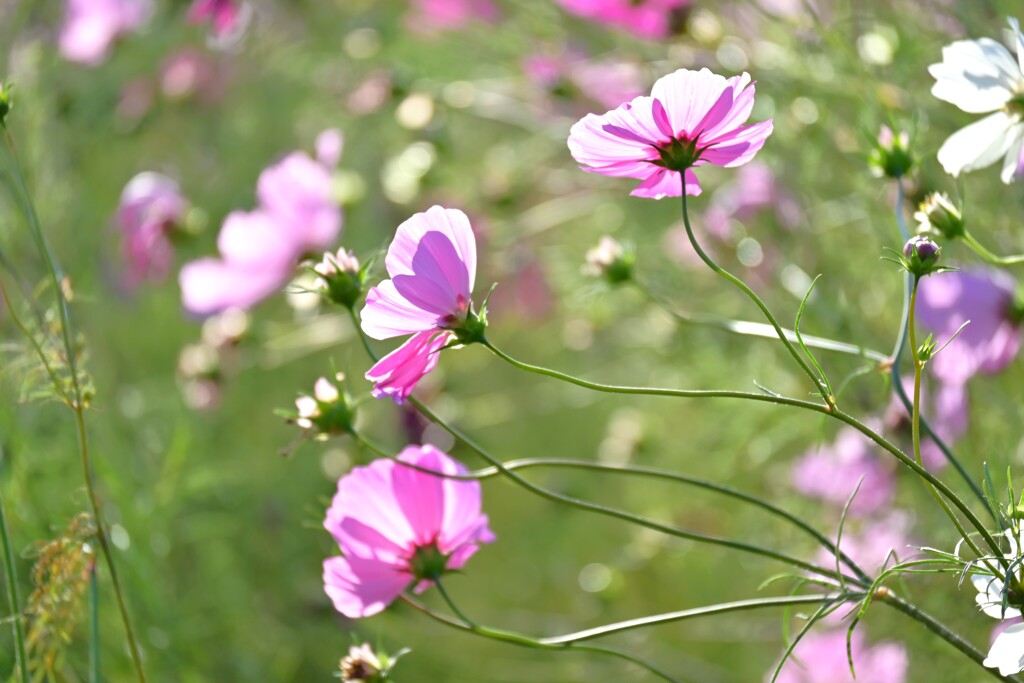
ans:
(94, 626)
(987, 255)
(20, 658)
(822, 389)
(629, 517)
(897, 379)
(751, 329)
(77, 404)
(941, 630)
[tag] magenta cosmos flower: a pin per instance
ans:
(650, 19)
(822, 658)
(151, 205)
(91, 26)
(991, 340)
(691, 118)
(397, 526)
(447, 15)
(260, 249)
(432, 264)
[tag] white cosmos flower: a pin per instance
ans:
(982, 77)
(1007, 651)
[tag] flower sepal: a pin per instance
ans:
(890, 156)
(920, 257)
(5, 102)
(330, 411)
(341, 278)
(363, 664)
(938, 214)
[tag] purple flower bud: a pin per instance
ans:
(920, 255)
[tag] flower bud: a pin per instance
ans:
(921, 256)
(5, 102)
(328, 412)
(340, 278)
(611, 261)
(361, 665)
(891, 157)
(938, 214)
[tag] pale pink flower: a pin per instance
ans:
(224, 15)
(822, 658)
(606, 82)
(398, 526)
(691, 118)
(446, 15)
(260, 249)
(946, 411)
(876, 544)
(151, 204)
(432, 264)
(649, 19)
(91, 26)
(991, 340)
(831, 473)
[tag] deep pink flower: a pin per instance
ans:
(691, 118)
(225, 15)
(432, 264)
(822, 658)
(991, 340)
(151, 204)
(644, 18)
(830, 473)
(260, 249)
(396, 526)
(91, 26)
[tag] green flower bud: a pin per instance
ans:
(5, 102)
(611, 261)
(891, 157)
(938, 214)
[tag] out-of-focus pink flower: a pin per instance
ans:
(397, 525)
(91, 26)
(875, 545)
(151, 204)
(446, 15)
(260, 249)
(830, 473)
(991, 340)
(755, 189)
(606, 82)
(224, 15)
(691, 118)
(822, 658)
(191, 73)
(649, 19)
(432, 264)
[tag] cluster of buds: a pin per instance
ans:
(610, 260)
(204, 365)
(890, 157)
(328, 412)
(937, 215)
(363, 665)
(340, 278)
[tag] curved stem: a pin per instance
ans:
(751, 329)
(987, 255)
(630, 517)
(20, 658)
(941, 630)
(822, 389)
(519, 639)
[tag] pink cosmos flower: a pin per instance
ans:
(691, 118)
(822, 658)
(446, 15)
(225, 15)
(651, 19)
(876, 545)
(91, 26)
(397, 525)
(260, 249)
(151, 204)
(991, 340)
(830, 473)
(432, 264)
(606, 82)
(946, 410)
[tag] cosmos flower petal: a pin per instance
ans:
(976, 146)
(1007, 652)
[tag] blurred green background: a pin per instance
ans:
(218, 537)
